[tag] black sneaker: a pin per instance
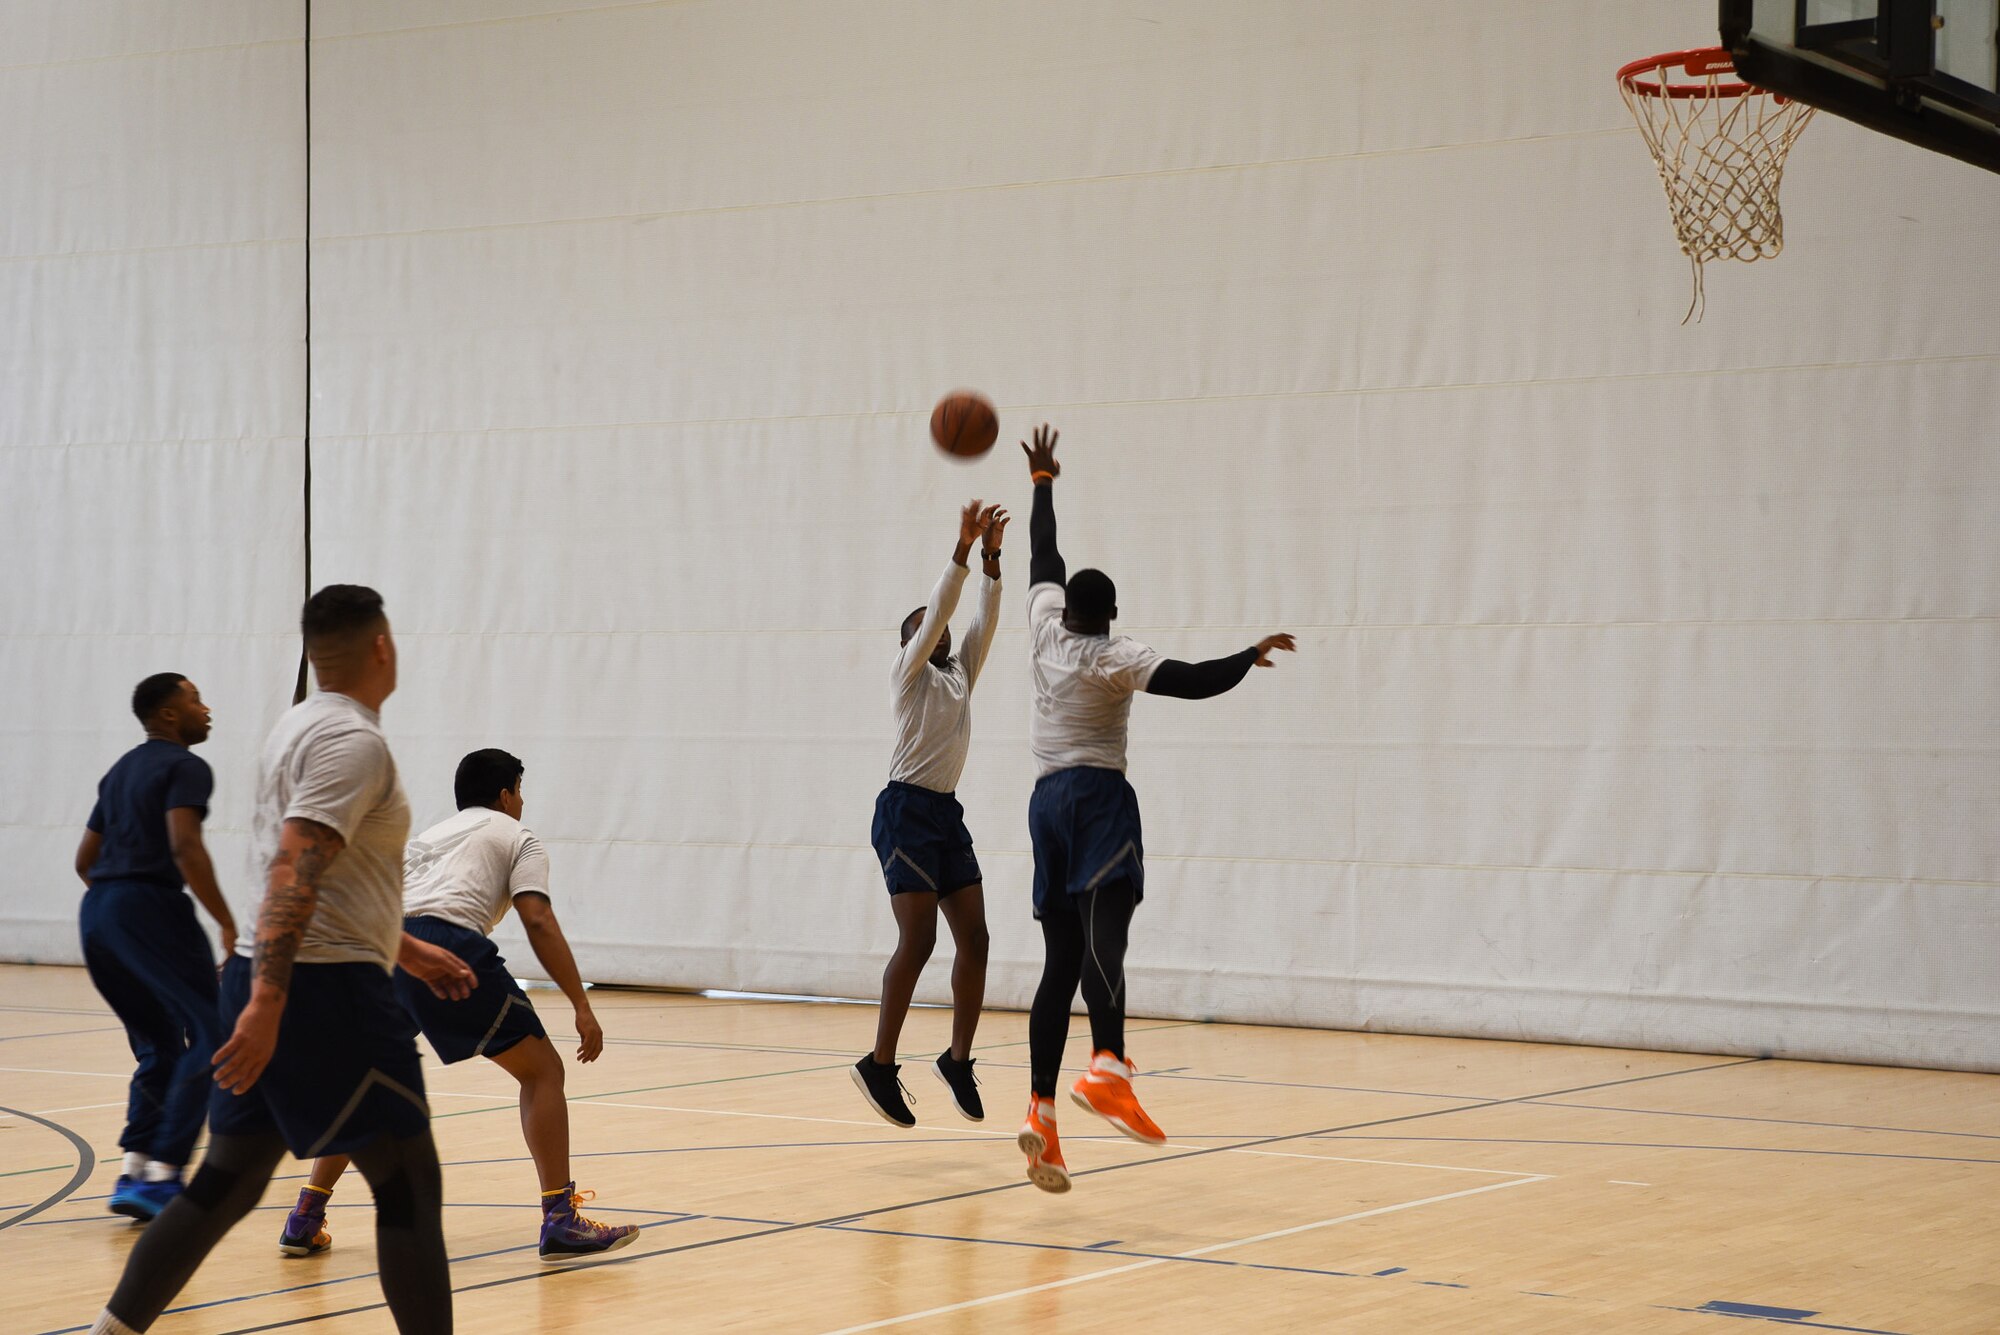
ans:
(884, 1092)
(958, 1078)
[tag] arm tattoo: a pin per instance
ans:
(290, 897)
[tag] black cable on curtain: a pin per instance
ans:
(299, 689)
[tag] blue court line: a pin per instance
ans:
(59, 1033)
(1100, 1249)
(717, 1149)
(1750, 1312)
(769, 1075)
(1784, 1316)
(726, 1047)
(368, 1274)
(365, 1203)
(1776, 1121)
(613, 1154)
(1646, 1145)
(1277, 1084)
(851, 1216)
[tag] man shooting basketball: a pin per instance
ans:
(919, 831)
(1083, 819)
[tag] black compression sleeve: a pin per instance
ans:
(1199, 681)
(1045, 563)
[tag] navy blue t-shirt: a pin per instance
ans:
(133, 800)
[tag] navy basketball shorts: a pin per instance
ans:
(921, 841)
(1084, 826)
(494, 1018)
(345, 1072)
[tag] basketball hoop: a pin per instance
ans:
(1720, 147)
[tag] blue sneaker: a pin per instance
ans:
(568, 1236)
(142, 1200)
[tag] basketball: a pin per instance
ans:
(964, 424)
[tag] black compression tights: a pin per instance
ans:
(1083, 937)
(409, 1232)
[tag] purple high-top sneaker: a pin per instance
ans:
(568, 1236)
(305, 1227)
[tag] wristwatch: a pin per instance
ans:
(992, 554)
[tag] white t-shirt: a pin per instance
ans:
(468, 868)
(1083, 688)
(934, 704)
(327, 761)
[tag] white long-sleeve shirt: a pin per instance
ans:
(934, 704)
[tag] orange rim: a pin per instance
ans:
(1702, 63)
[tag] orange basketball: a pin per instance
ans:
(964, 424)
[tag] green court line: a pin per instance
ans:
(24, 1172)
(758, 1075)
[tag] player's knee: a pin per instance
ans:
(210, 1187)
(973, 943)
(546, 1072)
(395, 1200)
(917, 942)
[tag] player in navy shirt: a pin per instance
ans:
(146, 953)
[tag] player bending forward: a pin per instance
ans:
(459, 877)
(919, 832)
(1083, 820)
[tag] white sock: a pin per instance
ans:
(162, 1172)
(108, 1324)
(135, 1163)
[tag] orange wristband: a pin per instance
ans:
(1041, 475)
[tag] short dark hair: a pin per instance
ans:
(912, 621)
(155, 693)
(340, 612)
(483, 776)
(1091, 595)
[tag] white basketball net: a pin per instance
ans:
(1720, 148)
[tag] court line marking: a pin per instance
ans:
(86, 1163)
(81, 1107)
(1120, 1141)
(1017, 1185)
(49, 1070)
(1647, 1145)
(62, 1033)
(1191, 1254)
(1778, 1121)
(800, 1070)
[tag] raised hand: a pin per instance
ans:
(994, 524)
(1270, 642)
(1042, 454)
(971, 523)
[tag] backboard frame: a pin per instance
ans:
(1880, 72)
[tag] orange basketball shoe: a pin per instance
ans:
(1106, 1089)
(1038, 1141)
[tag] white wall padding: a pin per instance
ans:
(1646, 684)
(152, 185)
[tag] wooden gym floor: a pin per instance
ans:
(1314, 1181)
